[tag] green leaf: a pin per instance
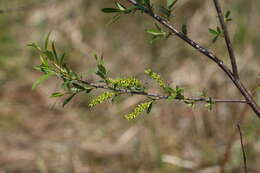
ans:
(155, 32)
(114, 19)
(82, 88)
(56, 94)
(227, 14)
(54, 52)
(120, 6)
(215, 39)
(169, 90)
(111, 10)
(184, 29)
(165, 11)
(102, 69)
(62, 58)
(219, 30)
(41, 80)
(147, 3)
(212, 31)
(66, 101)
(229, 19)
(48, 55)
(149, 108)
(78, 86)
(35, 46)
(171, 3)
(47, 40)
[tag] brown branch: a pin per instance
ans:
(207, 53)
(227, 39)
(158, 96)
(242, 147)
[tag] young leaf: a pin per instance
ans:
(54, 52)
(155, 32)
(212, 31)
(66, 101)
(165, 11)
(49, 55)
(149, 108)
(47, 40)
(219, 30)
(120, 6)
(184, 29)
(215, 39)
(111, 10)
(62, 59)
(41, 80)
(227, 14)
(35, 46)
(114, 19)
(56, 94)
(171, 3)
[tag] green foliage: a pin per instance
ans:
(41, 80)
(184, 29)
(227, 16)
(216, 33)
(101, 69)
(167, 11)
(157, 33)
(119, 11)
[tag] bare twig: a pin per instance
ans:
(205, 52)
(227, 39)
(242, 147)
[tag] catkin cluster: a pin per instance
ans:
(138, 110)
(125, 82)
(100, 99)
(155, 77)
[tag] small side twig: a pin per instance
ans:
(227, 39)
(242, 147)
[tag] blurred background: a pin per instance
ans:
(37, 135)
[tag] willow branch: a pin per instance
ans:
(207, 53)
(227, 39)
(157, 96)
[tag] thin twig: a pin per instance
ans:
(242, 147)
(227, 39)
(158, 96)
(205, 52)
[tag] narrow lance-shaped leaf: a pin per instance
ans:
(54, 52)
(212, 31)
(184, 29)
(155, 32)
(227, 14)
(171, 3)
(66, 101)
(120, 6)
(47, 40)
(41, 80)
(149, 108)
(56, 94)
(111, 10)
